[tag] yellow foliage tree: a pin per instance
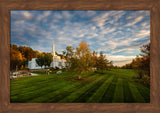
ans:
(83, 59)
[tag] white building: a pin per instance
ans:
(57, 61)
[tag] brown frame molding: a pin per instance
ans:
(7, 5)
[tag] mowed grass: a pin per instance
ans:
(114, 86)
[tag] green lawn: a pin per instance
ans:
(114, 86)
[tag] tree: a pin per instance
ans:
(141, 64)
(24, 63)
(145, 61)
(69, 54)
(40, 60)
(44, 59)
(15, 47)
(48, 58)
(83, 55)
(15, 59)
(94, 59)
(102, 62)
(27, 54)
(80, 60)
(110, 65)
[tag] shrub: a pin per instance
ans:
(146, 80)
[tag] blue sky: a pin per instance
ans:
(119, 34)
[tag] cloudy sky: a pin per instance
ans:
(119, 34)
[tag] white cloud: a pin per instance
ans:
(22, 39)
(27, 15)
(40, 48)
(105, 18)
(82, 35)
(129, 17)
(91, 13)
(131, 46)
(57, 16)
(123, 49)
(44, 15)
(136, 14)
(61, 32)
(135, 21)
(108, 30)
(147, 13)
(142, 34)
(92, 36)
(66, 40)
(100, 20)
(66, 14)
(53, 26)
(19, 23)
(93, 28)
(144, 24)
(119, 60)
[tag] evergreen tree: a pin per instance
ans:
(102, 62)
(48, 58)
(40, 60)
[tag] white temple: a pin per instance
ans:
(57, 61)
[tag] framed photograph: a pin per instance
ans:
(80, 56)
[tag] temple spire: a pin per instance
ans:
(53, 49)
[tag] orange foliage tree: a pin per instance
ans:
(15, 59)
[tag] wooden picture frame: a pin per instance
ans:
(7, 5)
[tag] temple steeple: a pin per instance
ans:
(53, 50)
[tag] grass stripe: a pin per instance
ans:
(26, 95)
(127, 93)
(62, 92)
(30, 85)
(54, 96)
(136, 95)
(84, 97)
(97, 96)
(108, 95)
(144, 91)
(72, 97)
(118, 95)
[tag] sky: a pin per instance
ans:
(118, 34)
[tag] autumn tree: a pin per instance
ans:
(14, 47)
(27, 54)
(80, 60)
(15, 59)
(83, 55)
